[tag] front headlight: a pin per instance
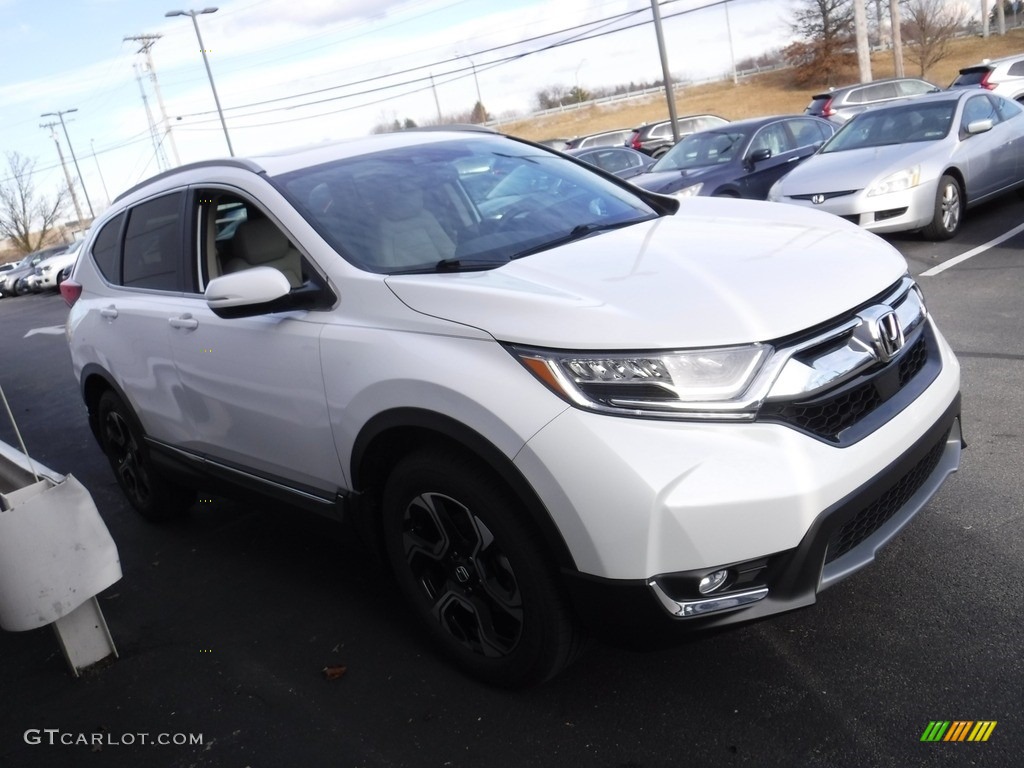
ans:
(691, 191)
(701, 383)
(897, 182)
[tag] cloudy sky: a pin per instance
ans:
(292, 72)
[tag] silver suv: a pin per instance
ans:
(840, 104)
(1003, 76)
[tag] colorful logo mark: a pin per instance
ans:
(958, 730)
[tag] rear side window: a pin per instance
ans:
(1016, 69)
(914, 87)
(106, 250)
(808, 132)
(153, 248)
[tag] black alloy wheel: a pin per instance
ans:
(150, 493)
(475, 571)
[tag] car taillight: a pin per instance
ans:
(70, 291)
(985, 83)
(827, 111)
(634, 141)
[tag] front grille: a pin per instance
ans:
(874, 516)
(828, 416)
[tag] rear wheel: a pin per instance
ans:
(152, 495)
(474, 571)
(949, 210)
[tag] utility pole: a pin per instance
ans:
(67, 175)
(897, 37)
(860, 22)
(157, 150)
(670, 93)
(146, 43)
(81, 179)
(984, 17)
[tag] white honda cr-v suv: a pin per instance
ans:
(558, 403)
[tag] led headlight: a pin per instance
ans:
(703, 383)
(897, 182)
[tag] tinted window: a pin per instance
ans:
(773, 137)
(971, 76)
(1006, 108)
(915, 87)
(880, 92)
(1016, 69)
(807, 132)
(979, 108)
(152, 245)
(106, 249)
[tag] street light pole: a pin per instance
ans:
(60, 116)
(206, 61)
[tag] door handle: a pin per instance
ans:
(109, 312)
(185, 321)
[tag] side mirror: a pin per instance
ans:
(979, 126)
(759, 156)
(249, 288)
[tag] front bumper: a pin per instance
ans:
(843, 539)
(896, 212)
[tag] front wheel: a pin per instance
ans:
(474, 571)
(949, 210)
(152, 495)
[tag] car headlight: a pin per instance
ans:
(897, 182)
(691, 191)
(700, 383)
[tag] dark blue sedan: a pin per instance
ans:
(740, 159)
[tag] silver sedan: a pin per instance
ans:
(915, 165)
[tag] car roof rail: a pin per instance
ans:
(234, 162)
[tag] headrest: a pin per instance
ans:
(259, 241)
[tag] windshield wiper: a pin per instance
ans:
(451, 265)
(576, 233)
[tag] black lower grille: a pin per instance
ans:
(874, 516)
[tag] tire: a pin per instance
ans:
(152, 495)
(474, 571)
(949, 210)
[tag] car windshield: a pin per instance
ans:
(914, 122)
(702, 149)
(463, 204)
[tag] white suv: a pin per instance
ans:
(1003, 76)
(557, 402)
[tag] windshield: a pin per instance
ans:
(471, 203)
(699, 150)
(916, 122)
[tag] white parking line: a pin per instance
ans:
(971, 253)
(53, 330)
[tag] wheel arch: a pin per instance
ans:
(95, 381)
(389, 436)
(957, 174)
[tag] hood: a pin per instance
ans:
(667, 182)
(852, 169)
(719, 272)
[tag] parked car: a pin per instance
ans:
(567, 405)
(654, 139)
(12, 282)
(915, 165)
(740, 159)
(840, 104)
(603, 139)
(621, 161)
(1004, 77)
(47, 273)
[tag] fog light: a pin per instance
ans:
(712, 581)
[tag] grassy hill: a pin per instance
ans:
(765, 94)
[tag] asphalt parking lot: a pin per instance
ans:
(226, 621)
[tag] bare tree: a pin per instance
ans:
(825, 49)
(26, 217)
(929, 26)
